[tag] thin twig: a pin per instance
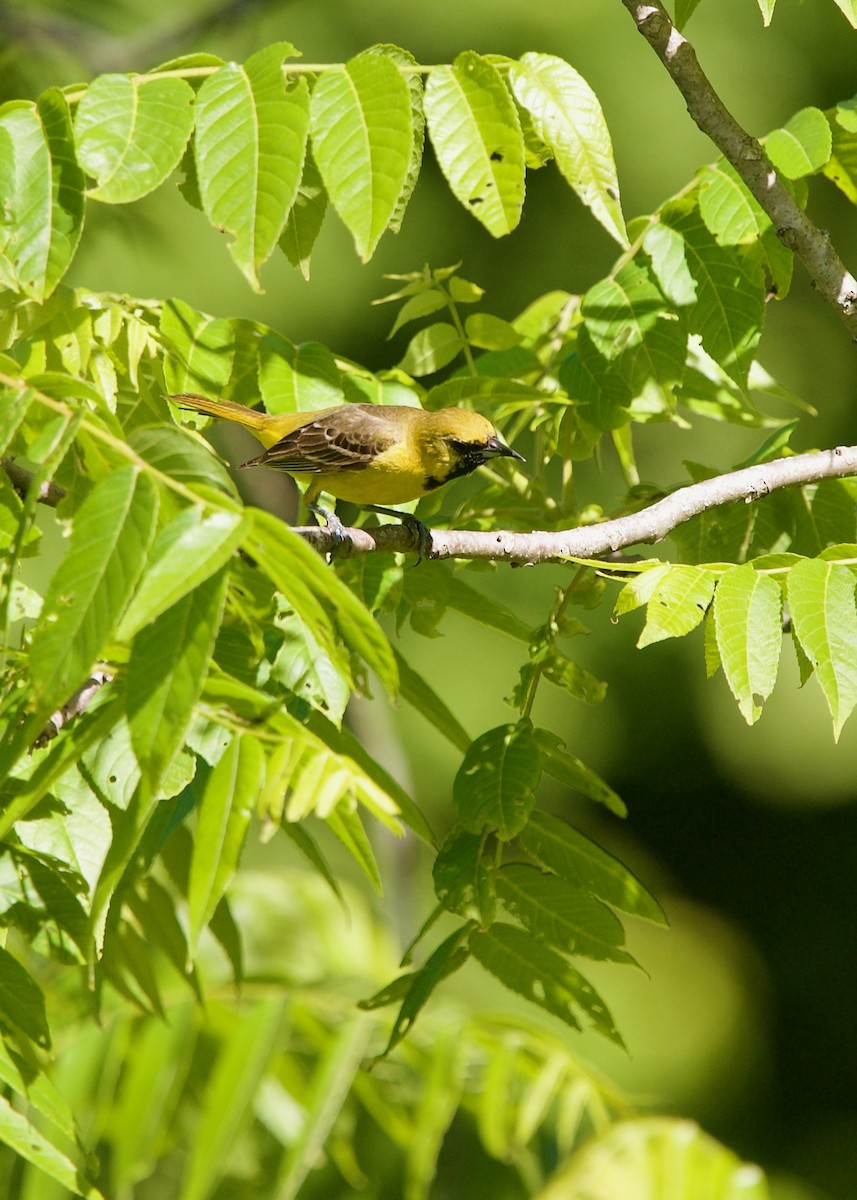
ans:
(73, 707)
(651, 524)
(793, 227)
(50, 493)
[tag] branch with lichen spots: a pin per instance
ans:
(795, 230)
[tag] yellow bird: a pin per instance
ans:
(368, 454)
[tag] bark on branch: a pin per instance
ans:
(50, 493)
(794, 229)
(651, 524)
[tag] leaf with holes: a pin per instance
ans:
(495, 784)
(677, 604)
(476, 134)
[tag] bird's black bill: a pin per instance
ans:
(495, 446)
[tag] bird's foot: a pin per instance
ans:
(419, 532)
(334, 527)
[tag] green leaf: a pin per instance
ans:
(729, 309)
(528, 967)
(463, 877)
(243, 1059)
(192, 548)
(91, 587)
(677, 604)
(31, 1145)
(666, 250)
(362, 142)
(495, 783)
(802, 146)
(250, 143)
(432, 349)
(822, 606)
(684, 10)
(302, 666)
(130, 133)
(620, 310)
(748, 621)
(319, 597)
(347, 826)
(201, 349)
(305, 218)
(568, 119)
(297, 378)
(224, 815)
(491, 333)
(166, 672)
(566, 917)
(42, 188)
(563, 849)
(404, 60)
(575, 774)
(633, 1158)
(766, 7)
(22, 1003)
(735, 217)
(447, 958)
(476, 134)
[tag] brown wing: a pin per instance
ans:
(343, 439)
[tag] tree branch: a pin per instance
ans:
(794, 229)
(73, 707)
(652, 524)
(50, 493)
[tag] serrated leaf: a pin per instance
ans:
(677, 604)
(822, 606)
(166, 671)
(305, 218)
(189, 550)
(91, 587)
(250, 141)
(563, 849)
(362, 141)
(405, 60)
(130, 133)
(495, 784)
(41, 194)
(476, 134)
(568, 118)
(533, 970)
(729, 309)
(225, 809)
(748, 620)
(562, 915)
(620, 310)
(735, 217)
(802, 146)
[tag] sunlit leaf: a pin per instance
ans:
(822, 606)
(130, 133)
(802, 146)
(568, 118)
(677, 604)
(305, 218)
(748, 620)
(92, 585)
(250, 140)
(362, 142)
(476, 135)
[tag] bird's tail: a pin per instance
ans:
(250, 418)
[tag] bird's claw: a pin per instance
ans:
(418, 531)
(334, 527)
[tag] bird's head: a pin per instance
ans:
(466, 439)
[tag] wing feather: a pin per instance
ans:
(343, 439)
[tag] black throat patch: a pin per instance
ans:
(470, 456)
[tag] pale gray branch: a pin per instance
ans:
(794, 229)
(652, 524)
(73, 707)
